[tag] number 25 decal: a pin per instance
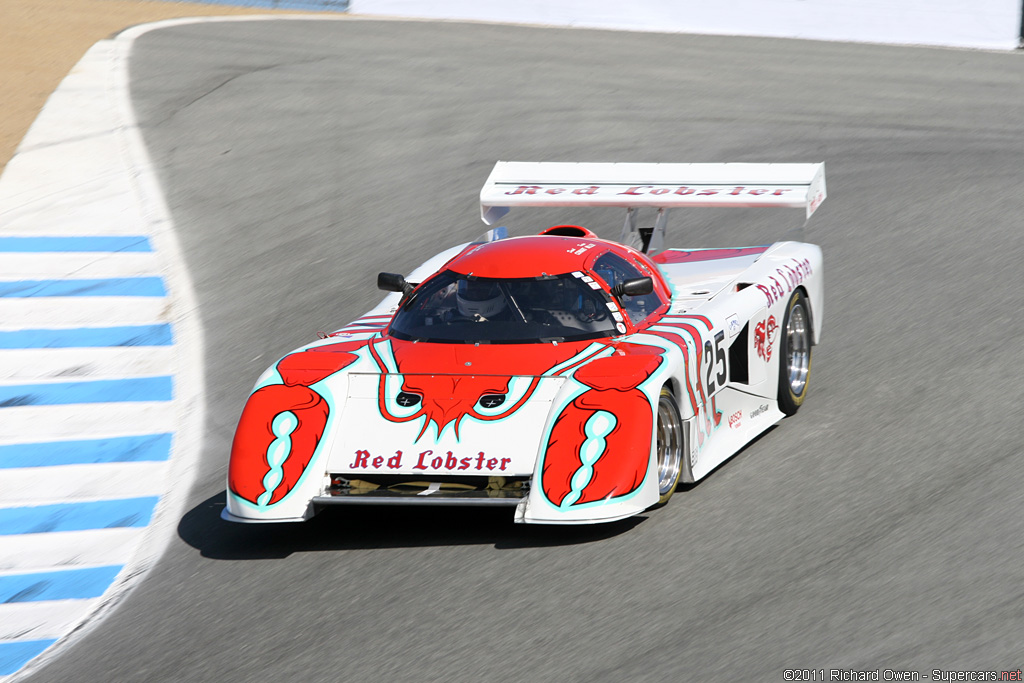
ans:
(715, 358)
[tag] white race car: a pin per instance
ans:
(571, 378)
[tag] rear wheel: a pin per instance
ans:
(669, 444)
(795, 354)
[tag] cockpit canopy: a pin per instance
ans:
(457, 308)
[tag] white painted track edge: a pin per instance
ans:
(189, 398)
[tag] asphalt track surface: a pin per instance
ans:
(879, 528)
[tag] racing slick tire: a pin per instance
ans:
(670, 445)
(795, 354)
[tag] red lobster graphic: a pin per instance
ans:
(622, 464)
(764, 337)
(250, 466)
(452, 379)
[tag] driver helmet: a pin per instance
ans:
(561, 295)
(479, 298)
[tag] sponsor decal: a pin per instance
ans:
(734, 419)
(785, 279)
(816, 201)
(534, 189)
(706, 191)
(581, 248)
(428, 461)
(758, 411)
(765, 333)
(639, 190)
(732, 324)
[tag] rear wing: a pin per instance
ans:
(661, 186)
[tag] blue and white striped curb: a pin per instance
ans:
(101, 402)
(101, 382)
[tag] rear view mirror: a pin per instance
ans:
(636, 287)
(393, 282)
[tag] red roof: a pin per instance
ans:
(528, 256)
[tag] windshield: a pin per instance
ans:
(464, 309)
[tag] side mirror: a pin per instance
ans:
(393, 282)
(637, 287)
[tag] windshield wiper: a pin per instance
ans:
(515, 304)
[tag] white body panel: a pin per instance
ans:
(367, 443)
(741, 411)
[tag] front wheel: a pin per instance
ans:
(669, 444)
(795, 354)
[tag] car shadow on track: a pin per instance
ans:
(359, 527)
(364, 527)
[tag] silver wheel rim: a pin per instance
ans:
(670, 446)
(798, 349)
